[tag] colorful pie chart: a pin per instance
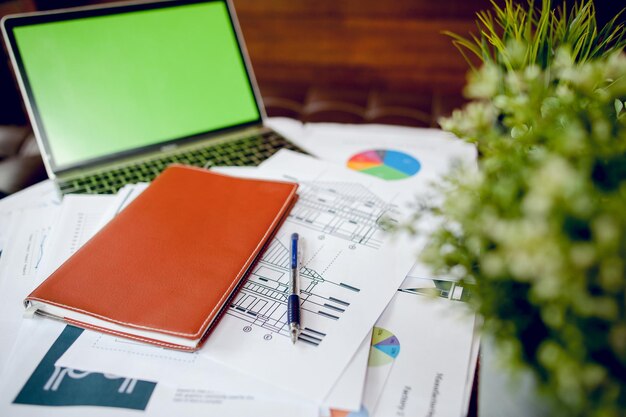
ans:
(386, 164)
(340, 413)
(385, 347)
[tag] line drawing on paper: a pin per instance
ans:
(439, 288)
(345, 210)
(34, 250)
(262, 300)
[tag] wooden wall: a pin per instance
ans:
(362, 43)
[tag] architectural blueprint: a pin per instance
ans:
(262, 300)
(351, 269)
(345, 210)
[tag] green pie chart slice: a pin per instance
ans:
(378, 358)
(379, 334)
(385, 172)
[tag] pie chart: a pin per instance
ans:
(385, 163)
(340, 413)
(385, 347)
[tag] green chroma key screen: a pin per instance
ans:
(106, 84)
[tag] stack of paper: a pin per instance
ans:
(375, 342)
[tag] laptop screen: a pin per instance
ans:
(106, 84)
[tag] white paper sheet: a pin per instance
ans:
(33, 385)
(429, 374)
(98, 352)
(347, 393)
(452, 291)
(33, 241)
(102, 352)
(43, 194)
(345, 253)
(124, 196)
(473, 363)
(79, 219)
(431, 151)
(380, 363)
(29, 236)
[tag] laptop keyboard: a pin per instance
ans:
(247, 151)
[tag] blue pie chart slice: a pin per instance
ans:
(390, 350)
(403, 162)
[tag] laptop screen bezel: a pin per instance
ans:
(9, 23)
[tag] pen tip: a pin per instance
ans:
(294, 337)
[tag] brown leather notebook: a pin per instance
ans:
(165, 268)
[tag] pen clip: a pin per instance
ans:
(295, 251)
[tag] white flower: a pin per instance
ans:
(484, 83)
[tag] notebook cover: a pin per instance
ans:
(169, 262)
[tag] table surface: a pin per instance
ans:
(483, 402)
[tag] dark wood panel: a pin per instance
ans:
(419, 9)
(371, 42)
(410, 53)
(440, 81)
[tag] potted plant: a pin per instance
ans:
(538, 233)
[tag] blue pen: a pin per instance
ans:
(293, 302)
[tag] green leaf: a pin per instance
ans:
(619, 106)
(544, 29)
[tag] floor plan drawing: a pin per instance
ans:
(262, 300)
(346, 210)
(351, 267)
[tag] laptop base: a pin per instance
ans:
(248, 151)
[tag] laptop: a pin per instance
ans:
(115, 93)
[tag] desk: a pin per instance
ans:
(305, 138)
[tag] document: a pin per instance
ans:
(433, 337)
(408, 158)
(29, 235)
(449, 290)
(124, 196)
(345, 252)
(97, 351)
(35, 237)
(351, 269)
(42, 194)
(177, 280)
(411, 159)
(33, 385)
(347, 393)
(39, 195)
(79, 219)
